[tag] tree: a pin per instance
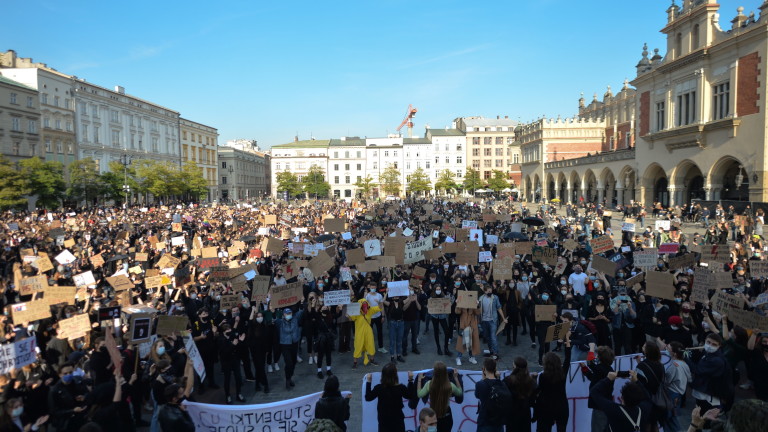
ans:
(365, 185)
(194, 184)
(288, 182)
(472, 180)
(445, 181)
(419, 182)
(314, 182)
(44, 179)
(390, 180)
(85, 183)
(115, 178)
(498, 182)
(13, 186)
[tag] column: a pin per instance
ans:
(620, 196)
(600, 194)
(569, 191)
(673, 190)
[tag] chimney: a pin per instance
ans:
(296, 138)
(506, 117)
(120, 90)
(498, 117)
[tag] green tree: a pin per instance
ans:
(114, 179)
(85, 183)
(445, 181)
(472, 180)
(419, 182)
(288, 182)
(390, 180)
(194, 184)
(498, 182)
(314, 182)
(44, 179)
(13, 186)
(365, 185)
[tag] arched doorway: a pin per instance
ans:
(733, 178)
(689, 182)
(527, 189)
(661, 191)
(627, 176)
(563, 188)
(655, 186)
(575, 187)
(551, 187)
(590, 181)
(609, 183)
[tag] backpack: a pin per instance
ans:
(498, 403)
(590, 326)
(661, 400)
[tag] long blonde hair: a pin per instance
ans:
(440, 390)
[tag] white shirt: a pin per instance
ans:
(578, 282)
(373, 300)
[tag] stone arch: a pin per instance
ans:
(574, 183)
(550, 187)
(537, 188)
(722, 179)
(627, 184)
(590, 185)
(562, 187)
(687, 182)
(655, 185)
(527, 188)
(608, 181)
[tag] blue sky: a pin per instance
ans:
(271, 70)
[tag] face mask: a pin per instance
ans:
(563, 292)
(674, 327)
(320, 285)
(525, 278)
(431, 428)
(624, 298)
(160, 350)
(445, 266)
(67, 378)
(596, 284)
(583, 262)
(433, 280)
(678, 300)
(438, 292)
(704, 326)
(660, 265)
(373, 290)
(259, 320)
(621, 275)
(457, 283)
(218, 297)
(489, 294)
(709, 348)
(288, 317)
(545, 297)
(562, 282)
(17, 411)
(592, 278)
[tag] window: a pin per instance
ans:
(59, 147)
(475, 140)
(359, 167)
(359, 178)
(224, 165)
(48, 147)
(58, 124)
(486, 175)
(69, 126)
(335, 167)
(346, 154)
(660, 115)
(16, 124)
(487, 163)
(475, 164)
(499, 140)
(437, 159)
(395, 165)
(347, 193)
(459, 173)
(335, 155)
(82, 107)
(346, 167)
(13, 98)
(394, 153)
(375, 153)
(95, 111)
(56, 101)
(446, 147)
(30, 102)
(346, 179)
(499, 152)
(459, 159)
(96, 134)
(486, 152)
(386, 153)
(115, 138)
(359, 154)
(437, 147)
(686, 108)
(287, 166)
(375, 165)
(336, 179)
(45, 98)
(612, 143)
(475, 152)
(510, 140)
(277, 166)
(695, 37)
(679, 45)
(67, 103)
(516, 158)
(32, 149)
(487, 140)
(336, 193)
(17, 149)
(224, 180)
(46, 122)
(720, 100)
(447, 160)
(499, 163)
(427, 165)
(155, 147)
(408, 165)
(458, 147)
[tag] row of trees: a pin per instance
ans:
(45, 180)
(314, 183)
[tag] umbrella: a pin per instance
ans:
(360, 217)
(515, 236)
(506, 190)
(325, 237)
(366, 227)
(117, 257)
(438, 222)
(248, 238)
(533, 221)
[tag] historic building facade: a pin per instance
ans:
(199, 144)
(19, 121)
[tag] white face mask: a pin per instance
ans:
(438, 292)
(259, 320)
(709, 348)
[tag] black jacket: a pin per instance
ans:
(595, 372)
(174, 419)
(616, 418)
(334, 408)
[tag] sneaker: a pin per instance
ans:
(458, 361)
(416, 351)
(269, 368)
(311, 360)
(533, 345)
(373, 362)
(383, 350)
(240, 398)
(495, 356)
(328, 373)
(299, 359)
(448, 353)
(472, 360)
(354, 365)
(250, 379)
(277, 367)
(229, 400)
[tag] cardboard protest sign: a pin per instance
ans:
(669, 248)
(336, 297)
(151, 282)
(646, 258)
(168, 261)
(502, 269)
(570, 244)
(723, 279)
(65, 257)
(555, 332)
(523, 248)
(60, 294)
(353, 309)
(333, 225)
(30, 311)
(414, 251)
(545, 255)
(274, 246)
(68, 243)
(747, 319)
(466, 299)
(397, 289)
(286, 295)
(33, 284)
(758, 269)
(229, 301)
(97, 261)
(75, 327)
(395, 247)
(372, 247)
(682, 261)
(703, 281)
(714, 254)
(210, 252)
(601, 244)
(321, 263)
(120, 283)
(16, 355)
(505, 250)
(141, 257)
(628, 227)
(260, 289)
(545, 312)
(167, 325)
(84, 279)
(468, 224)
(43, 264)
(438, 306)
(659, 284)
(270, 219)
(466, 257)
(722, 302)
(636, 279)
(603, 265)
(140, 328)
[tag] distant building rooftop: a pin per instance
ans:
(488, 122)
(303, 144)
(16, 83)
(348, 142)
(445, 132)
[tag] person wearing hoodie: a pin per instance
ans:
(332, 405)
(364, 345)
(595, 371)
(712, 385)
(289, 334)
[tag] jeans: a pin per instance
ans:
(376, 322)
(154, 425)
(229, 368)
(289, 357)
(489, 330)
(411, 327)
(671, 423)
(396, 329)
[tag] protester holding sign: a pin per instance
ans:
(288, 334)
(440, 388)
(390, 394)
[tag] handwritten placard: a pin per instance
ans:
(466, 299)
(545, 312)
(601, 244)
(286, 295)
(336, 297)
(439, 306)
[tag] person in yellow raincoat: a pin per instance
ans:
(364, 345)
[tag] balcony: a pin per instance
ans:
(624, 154)
(691, 135)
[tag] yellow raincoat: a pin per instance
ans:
(364, 332)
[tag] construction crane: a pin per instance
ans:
(408, 120)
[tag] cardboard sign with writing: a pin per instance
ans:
(505, 250)
(570, 244)
(466, 299)
(141, 257)
(218, 274)
(372, 247)
(723, 279)
(669, 248)
(355, 256)
(120, 283)
(30, 311)
(286, 295)
(274, 246)
(603, 265)
(714, 254)
(97, 261)
(636, 279)
(523, 248)
(43, 264)
(438, 306)
(748, 319)
(60, 294)
(75, 327)
(168, 261)
(336, 297)
(84, 279)
(601, 244)
(270, 219)
(758, 269)
(659, 284)
(555, 332)
(176, 227)
(395, 247)
(151, 282)
(703, 281)
(333, 225)
(722, 302)
(31, 285)
(321, 263)
(210, 252)
(414, 251)
(167, 325)
(229, 301)
(682, 262)
(545, 312)
(385, 261)
(646, 258)
(545, 255)
(260, 289)
(484, 257)
(367, 266)
(465, 257)
(628, 227)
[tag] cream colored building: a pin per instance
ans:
(244, 174)
(297, 157)
(489, 143)
(19, 121)
(57, 113)
(346, 165)
(199, 144)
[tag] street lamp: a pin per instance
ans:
(739, 180)
(125, 160)
(231, 179)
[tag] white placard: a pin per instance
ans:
(485, 256)
(397, 289)
(65, 257)
(346, 236)
(177, 241)
(84, 279)
(629, 227)
(664, 224)
(471, 224)
(414, 251)
(194, 354)
(17, 354)
(372, 247)
(407, 232)
(476, 235)
(336, 297)
(492, 239)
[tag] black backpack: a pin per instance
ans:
(498, 403)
